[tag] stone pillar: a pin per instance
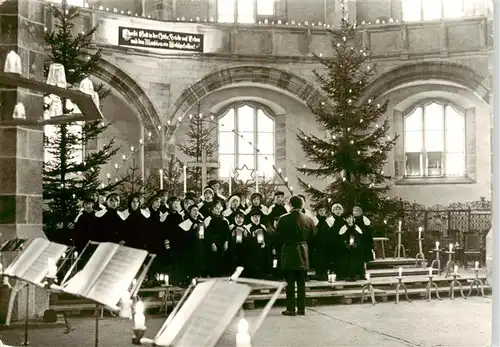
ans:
(489, 237)
(21, 148)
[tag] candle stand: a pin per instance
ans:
(399, 246)
(420, 257)
(368, 287)
(452, 286)
(428, 290)
(138, 335)
(478, 283)
(168, 293)
(437, 261)
(398, 285)
(450, 264)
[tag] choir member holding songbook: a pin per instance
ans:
(351, 265)
(276, 210)
(339, 222)
(256, 203)
(257, 264)
(193, 255)
(218, 236)
(85, 224)
(110, 222)
(323, 243)
(136, 223)
(172, 238)
(189, 200)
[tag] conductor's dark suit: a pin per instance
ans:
(295, 230)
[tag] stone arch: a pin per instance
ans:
(297, 86)
(438, 70)
(131, 91)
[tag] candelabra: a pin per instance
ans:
(400, 284)
(476, 282)
(399, 246)
(430, 285)
(450, 264)
(452, 285)
(368, 287)
(437, 261)
(420, 257)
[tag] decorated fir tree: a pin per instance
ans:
(69, 173)
(355, 151)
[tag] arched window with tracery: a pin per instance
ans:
(246, 136)
(435, 140)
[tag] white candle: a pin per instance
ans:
(437, 244)
(260, 236)
(420, 232)
(139, 321)
(242, 336)
(399, 225)
(167, 282)
(161, 277)
(161, 179)
(455, 269)
(351, 241)
(367, 276)
(430, 271)
(201, 232)
(256, 181)
(400, 272)
(230, 182)
(51, 268)
(451, 247)
(275, 263)
(184, 177)
(126, 307)
(476, 264)
(239, 235)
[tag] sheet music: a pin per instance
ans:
(211, 317)
(39, 268)
(27, 257)
(116, 277)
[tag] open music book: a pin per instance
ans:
(107, 275)
(32, 264)
(204, 316)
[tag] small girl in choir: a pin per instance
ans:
(257, 263)
(239, 237)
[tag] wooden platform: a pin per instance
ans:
(391, 262)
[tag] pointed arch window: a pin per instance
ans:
(244, 11)
(246, 136)
(435, 141)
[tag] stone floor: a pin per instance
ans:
(420, 323)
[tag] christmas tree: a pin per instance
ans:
(172, 179)
(356, 149)
(68, 173)
(199, 138)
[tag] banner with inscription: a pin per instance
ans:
(148, 38)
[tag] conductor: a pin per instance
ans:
(294, 230)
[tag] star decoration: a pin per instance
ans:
(244, 174)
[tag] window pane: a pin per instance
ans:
(226, 143)
(434, 140)
(266, 143)
(413, 141)
(455, 164)
(434, 117)
(413, 166)
(244, 146)
(434, 163)
(226, 162)
(455, 141)
(246, 11)
(265, 7)
(454, 120)
(412, 10)
(264, 123)
(431, 9)
(249, 160)
(265, 165)
(414, 120)
(226, 122)
(453, 8)
(225, 11)
(245, 119)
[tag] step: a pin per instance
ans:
(392, 262)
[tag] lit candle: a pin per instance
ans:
(367, 276)
(256, 181)
(126, 306)
(230, 182)
(184, 176)
(201, 232)
(400, 223)
(242, 336)
(51, 268)
(400, 272)
(260, 236)
(455, 269)
(161, 277)
(139, 318)
(437, 244)
(451, 247)
(430, 271)
(161, 179)
(351, 241)
(275, 263)
(167, 280)
(420, 232)
(239, 235)
(476, 264)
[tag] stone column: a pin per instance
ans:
(21, 148)
(489, 237)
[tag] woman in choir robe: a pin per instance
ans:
(339, 221)
(351, 265)
(136, 222)
(110, 222)
(172, 237)
(154, 235)
(206, 204)
(258, 253)
(163, 194)
(239, 239)
(322, 243)
(187, 202)
(85, 224)
(215, 185)
(193, 258)
(364, 223)
(234, 204)
(256, 203)
(218, 236)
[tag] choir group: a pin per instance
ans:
(212, 235)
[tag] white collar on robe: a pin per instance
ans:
(101, 213)
(344, 229)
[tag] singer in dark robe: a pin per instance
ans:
(172, 237)
(205, 205)
(256, 203)
(163, 194)
(339, 222)
(351, 264)
(234, 206)
(323, 243)
(239, 239)
(110, 222)
(155, 241)
(189, 200)
(276, 210)
(365, 224)
(85, 224)
(136, 223)
(258, 254)
(218, 236)
(193, 254)
(215, 185)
